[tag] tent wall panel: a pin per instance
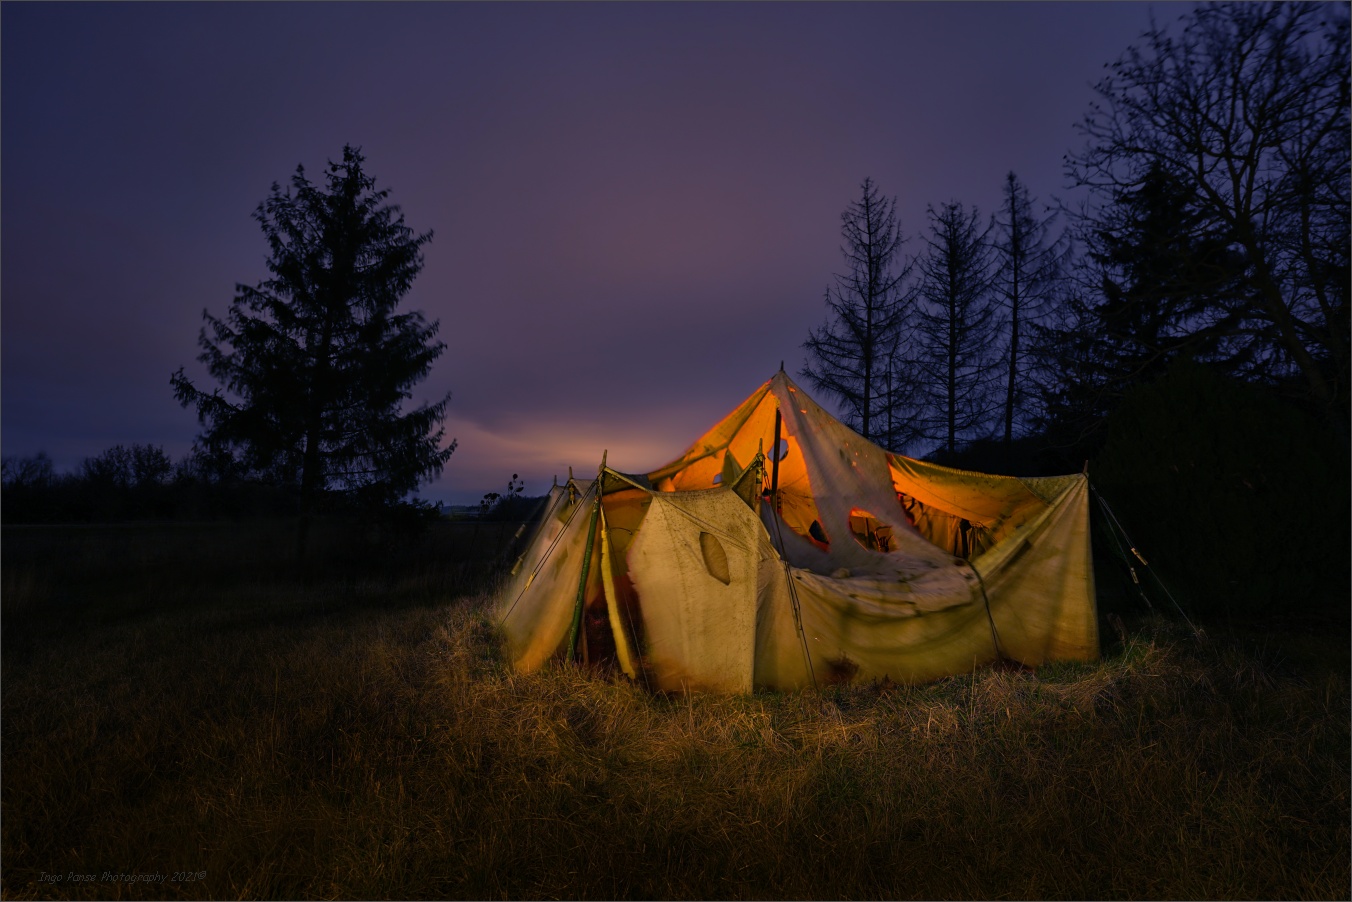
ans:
(539, 601)
(694, 567)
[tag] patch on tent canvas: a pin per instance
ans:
(715, 558)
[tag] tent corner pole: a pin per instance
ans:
(575, 631)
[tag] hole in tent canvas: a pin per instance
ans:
(870, 532)
(780, 451)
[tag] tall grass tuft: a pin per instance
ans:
(353, 738)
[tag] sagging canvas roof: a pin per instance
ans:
(748, 562)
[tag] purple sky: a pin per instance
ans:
(636, 206)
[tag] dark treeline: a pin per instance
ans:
(136, 482)
(142, 482)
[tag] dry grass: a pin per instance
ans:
(361, 739)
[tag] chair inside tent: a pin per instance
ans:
(782, 550)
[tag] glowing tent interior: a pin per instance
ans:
(782, 550)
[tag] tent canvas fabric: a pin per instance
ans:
(783, 550)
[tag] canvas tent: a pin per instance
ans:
(782, 550)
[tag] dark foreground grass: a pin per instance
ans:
(254, 734)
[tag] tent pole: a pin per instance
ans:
(576, 628)
(531, 576)
(779, 535)
(774, 465)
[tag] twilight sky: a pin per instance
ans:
(636, 206)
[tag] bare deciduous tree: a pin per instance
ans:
(1030, 261)
(1247, 110)
(956, 326)
(850, 355)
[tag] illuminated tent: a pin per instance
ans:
(782, 550)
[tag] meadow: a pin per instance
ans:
(180, 702)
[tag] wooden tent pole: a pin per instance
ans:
(774, 466)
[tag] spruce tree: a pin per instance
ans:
(315, 364)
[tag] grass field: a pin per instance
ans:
(180, 703)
